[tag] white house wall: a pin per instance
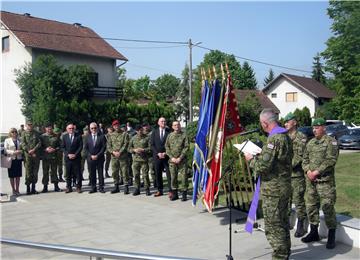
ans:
(15, 58)
(104, 67)
(283, 86)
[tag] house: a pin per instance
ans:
(289, 92)
(24, 38)
(264, 101)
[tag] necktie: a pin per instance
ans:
(71, 139)
(94, 139)
(161, 134)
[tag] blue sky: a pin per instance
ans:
(282, 33)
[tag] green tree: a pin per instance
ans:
(79, 81)
(121, 82)
(318, 71)
(182, 96)
(342, 57)
(303, 116)
(249, 110)
(269, 78)
(165, 86)
(247, 77)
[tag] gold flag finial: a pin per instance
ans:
(227, 69)
(222, 71)
(210, 75)
(214, 70)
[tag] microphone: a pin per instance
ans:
(250, 132)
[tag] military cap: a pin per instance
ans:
(318, 121)
(289, 117)
(115, 122)
(138, 127)
(122, 125)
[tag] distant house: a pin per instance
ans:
(24, 38)
(289, 92)
(264, 101)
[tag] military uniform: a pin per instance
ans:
(49, 159)
(321, 155)
(151, 164)
(31, 140)
(140, 161)
(107, 158)
(273, 166)
(177, 145)
(119, 142)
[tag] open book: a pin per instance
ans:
(250, 147)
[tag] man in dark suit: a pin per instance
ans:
(95, 145)
(71, 146)
(158, 140)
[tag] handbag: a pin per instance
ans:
(6, 161)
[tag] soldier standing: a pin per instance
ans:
(319, 161)
(50, 146)
(31, 146)
(273, 166)
(177, 145)
(147, 131)
(117, 145)
(139, 147)
(107, 154)
(298, 184)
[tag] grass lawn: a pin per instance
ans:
(347, 174)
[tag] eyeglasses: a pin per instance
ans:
(93, 128)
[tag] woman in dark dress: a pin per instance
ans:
(12, 149)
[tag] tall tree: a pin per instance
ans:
(318, 71)
(182, 96)
(121, 82)
(165, 86)
(342, 57)
(269, 78)
(247, 77)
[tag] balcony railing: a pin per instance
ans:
(106, 92)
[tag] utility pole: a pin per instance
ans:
(190, 84)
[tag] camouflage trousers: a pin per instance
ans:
(179, 171)
(321, 194)
(49, 165)
(142, 167)
(31, 169)
(107, 161)
(277, 225)
(298, 186)
(120, 167)
(151, 169)
(59, 164)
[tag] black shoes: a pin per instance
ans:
(126, 189)
(148, 193)
(330, 244)
(92, 191)
(33, 190)
(313, 235)
(116, 190)
(68, 190)
(28, 192)
(174, 196)
(184, 196)
(300, 230)
(136, 192)
(56, 187)
(45, 189)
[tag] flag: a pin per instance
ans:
(251, 218)
(200, 141)
(228, 126)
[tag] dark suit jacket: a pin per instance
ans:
(99, 147)
(72, 148)
(158, 146)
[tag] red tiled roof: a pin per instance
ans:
(53, 35)
(264, 101)
(309, 85)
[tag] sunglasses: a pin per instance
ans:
(93, 128)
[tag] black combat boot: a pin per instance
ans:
(33, 190)
(45, 189)
(56, 187)
(330, 244)
(184, 196)
(136, 192)
(116, 190)
(313, 235)
(107, 174)
(126, 189)
(300, 231)
(28, 192)
(175, 195)
(148, 193)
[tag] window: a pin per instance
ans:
(273, 95)
(291, 97)
(5, 44)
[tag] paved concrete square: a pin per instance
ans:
(135, 224)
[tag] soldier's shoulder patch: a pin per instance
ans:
(304, 140)
(334, 143)
(270, 146)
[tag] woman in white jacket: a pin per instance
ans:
(12, 149)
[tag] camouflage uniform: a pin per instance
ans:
(321, 155)
(151, 163)
(49, 159)
(140, 161)
(119, 141)
(298, 184)
(107, 156)
(176, 146)
(273, 165)
(31, 140)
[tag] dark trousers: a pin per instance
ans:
(73, 170)
(96, 165)
(160, 165)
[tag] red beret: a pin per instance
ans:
(115, 122)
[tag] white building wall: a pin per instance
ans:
(104, 67)
(15, 58)
(283, 86)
